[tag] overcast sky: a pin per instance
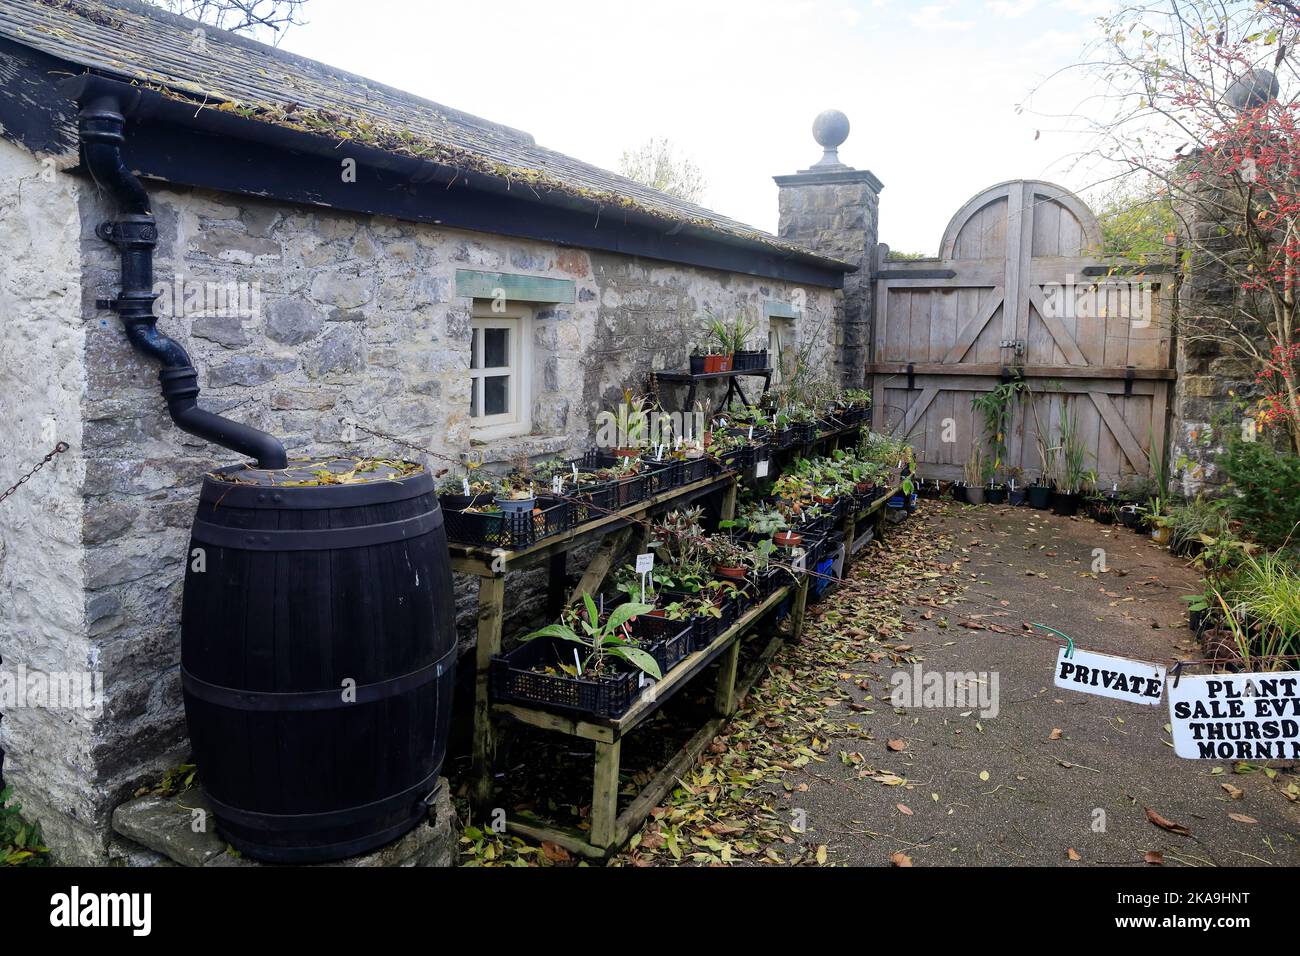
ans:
(930, 88)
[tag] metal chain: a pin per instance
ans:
(400, 441)
(59, 449)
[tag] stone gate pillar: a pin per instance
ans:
(834, 209)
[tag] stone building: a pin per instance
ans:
(326, 250)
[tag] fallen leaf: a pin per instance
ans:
(900, 859)
(897, 745)
(1073, 854)
(1164, 824)
(1154, 857)
(904, 809)
(1242, 818)
(984, 775)
(1235, 792)
(1055, 734)
(554, 852)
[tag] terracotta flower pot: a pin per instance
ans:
(731, 573)
(787, 539)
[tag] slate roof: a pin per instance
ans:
(138, 42)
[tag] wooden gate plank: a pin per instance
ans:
(1056, 328)
(972, 329)
(1121, 432)
(919, 408)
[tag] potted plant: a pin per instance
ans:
(974, 473)
(1016, 495)
(579, 664)
(729, 559)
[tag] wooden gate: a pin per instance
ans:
(1019, 289)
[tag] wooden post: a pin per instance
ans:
(599, 566)
(491, 607)
(724, 699)
(557, 569)
(604, 794)
(728, 510)
(798, 607)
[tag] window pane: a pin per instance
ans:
(496, 348)
(473, 349)
(475, 386)
(496, 394)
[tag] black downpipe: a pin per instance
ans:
(135, 234)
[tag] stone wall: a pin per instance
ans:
(49, 751)
(347, 317)
(837, 213)
(1213, 377)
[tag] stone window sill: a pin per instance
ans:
(498, 450)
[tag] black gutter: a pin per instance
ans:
(100, 124)
(182, 142)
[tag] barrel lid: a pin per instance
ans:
(327, 482)
(315, 472)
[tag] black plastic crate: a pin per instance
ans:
(784, 437)
(664, 640)
(805, 432)
(739, 459)
(514, 680)
(474, 528)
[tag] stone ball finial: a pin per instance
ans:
(1253, 88)
(830, 129)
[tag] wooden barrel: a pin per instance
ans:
(318, 655)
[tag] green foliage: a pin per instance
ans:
(604, 639)
(1137, 221)
(897, 255)
(21, 843)
(1268, 505)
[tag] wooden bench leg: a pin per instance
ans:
(797, 609)
(491, 601)
(724, 700)
(604, 794)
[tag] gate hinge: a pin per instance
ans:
(1128, 381)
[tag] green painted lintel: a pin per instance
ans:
(514, 288)
(781, 310)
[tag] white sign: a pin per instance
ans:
(1236, 716)
(1105, 676)
(760, 469)
(644, 562)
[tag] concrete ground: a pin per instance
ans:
(1056, 777)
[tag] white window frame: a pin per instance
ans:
(518, 420)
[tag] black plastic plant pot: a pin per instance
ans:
(1039, 496)
(1130, 517)
(697, 364)
(1065, 503)
(518, 676)
(959, 493)
(995, 495)
(1016, 497)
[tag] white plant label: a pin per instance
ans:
(1106, 676)
(557, 484)
(464, 483)
(645, 562)
(1236, 716)
(760, 469)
